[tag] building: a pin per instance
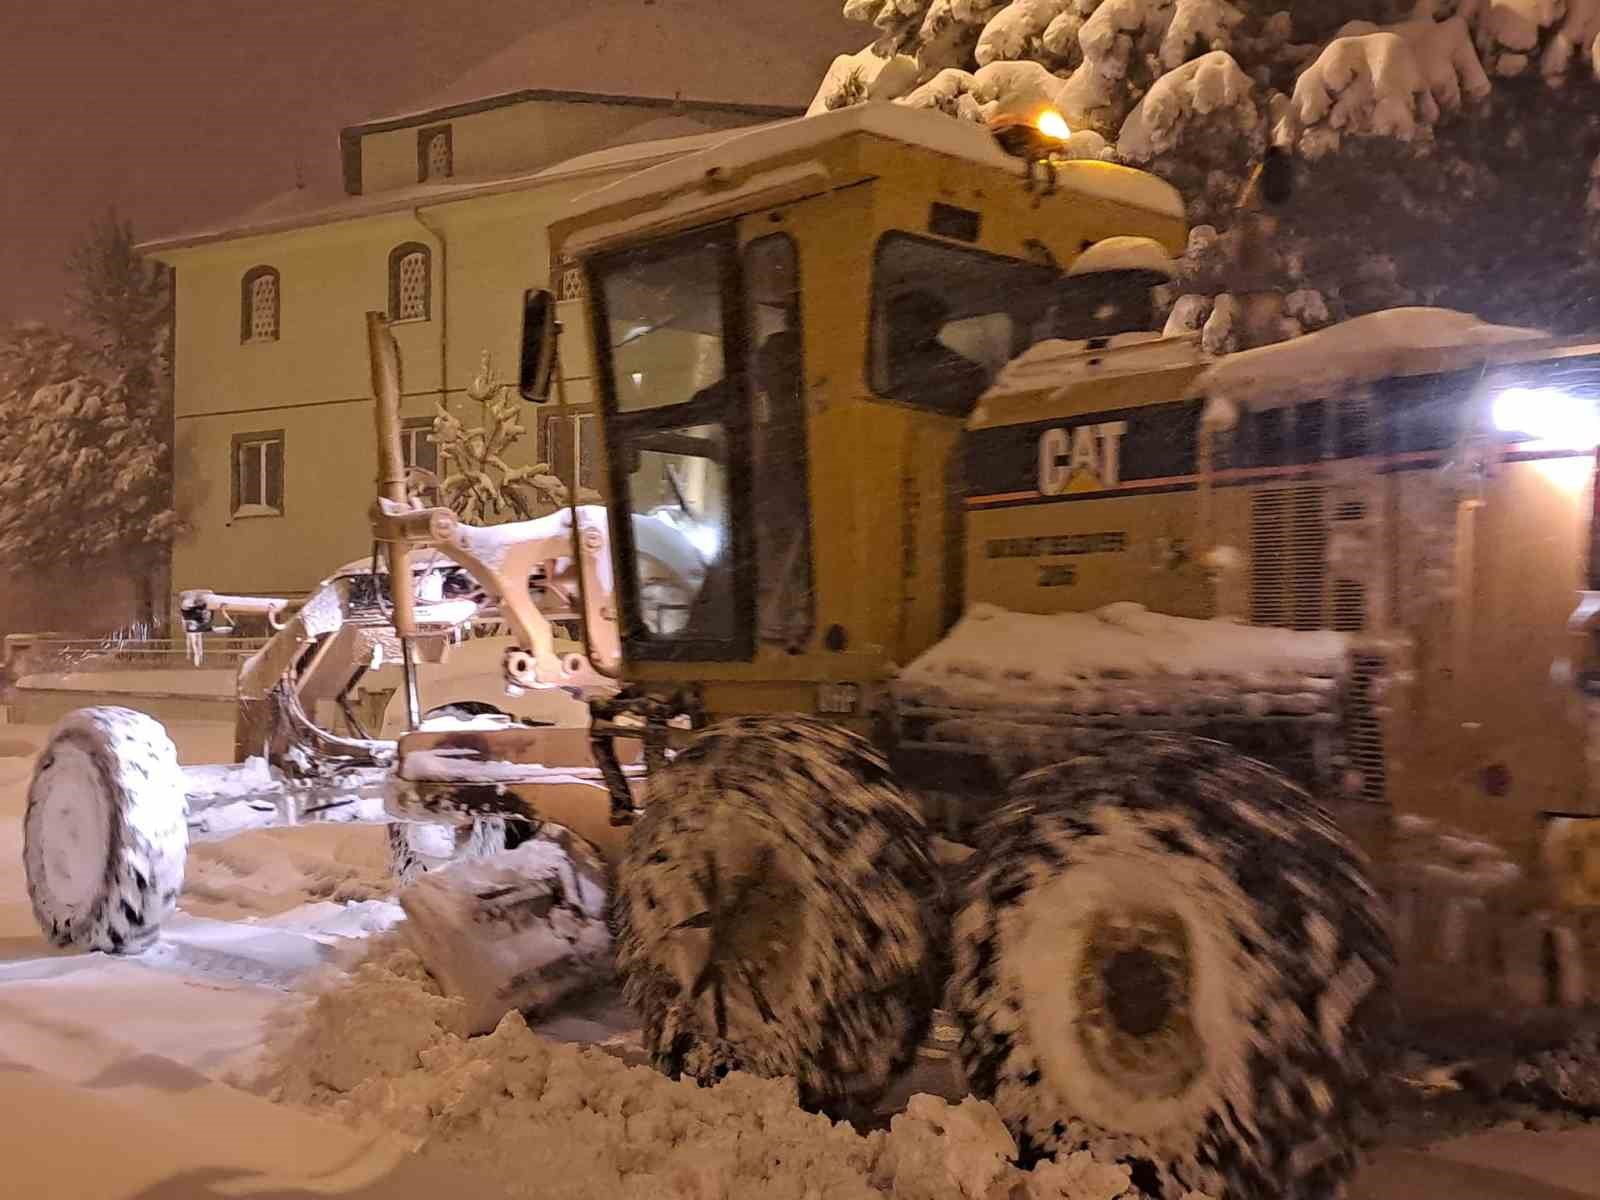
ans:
(443, 226)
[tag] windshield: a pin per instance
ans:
(947, 318)
(675, 416)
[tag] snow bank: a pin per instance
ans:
(1355, 351)
(1124, 660)
(559, 1122)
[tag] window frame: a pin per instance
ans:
(236, 503)
(876, 298)
(802, 637)
(584, 420)
(397, 256)
(247, 307)
(425, 137)
(620, 427)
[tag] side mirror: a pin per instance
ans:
(539, 331)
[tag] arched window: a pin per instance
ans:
(410, 282)
(435, 153)
(258, 305)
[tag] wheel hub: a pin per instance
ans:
(1134, 1000)
(1139, 991)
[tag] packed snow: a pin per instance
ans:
(384, 1048)
(1124, 658)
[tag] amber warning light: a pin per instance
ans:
(1033, 139)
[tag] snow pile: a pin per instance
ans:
(1125, 660)
(272, 871)
(1355, 351)
(560, 1122)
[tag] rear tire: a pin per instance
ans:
(1166, 953)
(106, 831)
(773, 912)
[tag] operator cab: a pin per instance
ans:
(787, 345)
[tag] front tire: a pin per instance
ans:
(774, 912)
(1167, 954)
(106, 831)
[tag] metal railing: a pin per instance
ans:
(53, 653)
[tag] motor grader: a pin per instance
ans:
(912, 527)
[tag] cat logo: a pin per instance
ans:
(1087, 458)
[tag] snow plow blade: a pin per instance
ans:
(524, 929)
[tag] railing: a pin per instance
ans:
(50, 653)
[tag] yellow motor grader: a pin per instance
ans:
(912, 528)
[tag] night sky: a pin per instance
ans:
(181, 112)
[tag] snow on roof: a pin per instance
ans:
(299, 209)
(927, 128)
(1355, 351)
(1124, 254)
(764, 54)
(1125, 658)
(1055, 363)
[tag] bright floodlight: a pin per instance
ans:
(1053, 125)
(1550, 416)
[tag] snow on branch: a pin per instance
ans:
(1212, 85)
(1018, 30)
(1370, 85)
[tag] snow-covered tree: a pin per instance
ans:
(85, 422)
(1441, 151)
(480, 484)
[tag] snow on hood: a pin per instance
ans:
(1123, 253)
(1355, 351)
(1148, 658)
(1056, 363)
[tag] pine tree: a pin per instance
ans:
(1441, 151)
(86, 436)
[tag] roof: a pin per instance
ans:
(749, 55)
(300, 209)
(350, 137)
(923, 127)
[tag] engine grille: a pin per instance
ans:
(1288, 557)
(1363, 729)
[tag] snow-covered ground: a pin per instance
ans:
(285, 978)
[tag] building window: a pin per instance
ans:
(410, 280)
(417, 448)
(569, 441)
(435, 156)
(259, 305)
(258, 474)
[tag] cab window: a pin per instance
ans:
(674, 378)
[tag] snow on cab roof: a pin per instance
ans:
(1360, 350)
(924, 127)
